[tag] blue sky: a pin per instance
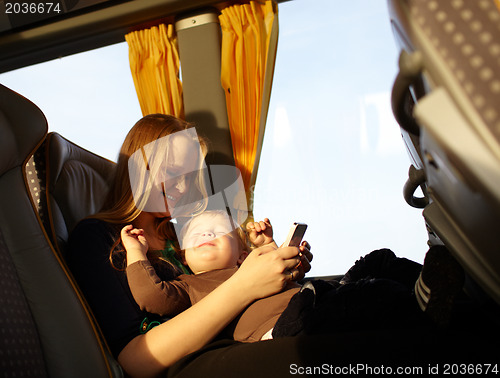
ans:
(332, 154)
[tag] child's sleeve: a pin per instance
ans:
(154, 295)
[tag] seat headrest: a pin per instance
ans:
(78, 182)
(22, 128)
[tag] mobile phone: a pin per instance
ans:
(295, 235)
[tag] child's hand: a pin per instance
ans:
(260, 233)
(135, 243)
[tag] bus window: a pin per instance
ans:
(332, 154)
(89, 98)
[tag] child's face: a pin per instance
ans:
(209, 245)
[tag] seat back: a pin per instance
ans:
(46, 328)
(77, 184)
(450, 63)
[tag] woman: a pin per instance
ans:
(146, 199)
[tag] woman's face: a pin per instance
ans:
(172, 181)
(183, 160)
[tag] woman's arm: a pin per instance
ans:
(263, 273)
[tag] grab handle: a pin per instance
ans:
(410, 68)
(416, 178)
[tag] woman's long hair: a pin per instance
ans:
(119, 207)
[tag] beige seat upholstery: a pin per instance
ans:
(45, 328)
(453, 129)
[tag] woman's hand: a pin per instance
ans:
(305, 261)
(266, 271)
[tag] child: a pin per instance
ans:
(375, 293)
(213, 251)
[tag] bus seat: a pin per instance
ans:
(36, 180)
(46, 329)
(77, 183)
(445, 99)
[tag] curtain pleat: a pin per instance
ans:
(154, 63)
(247, 51)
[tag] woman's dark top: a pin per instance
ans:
(106, 288)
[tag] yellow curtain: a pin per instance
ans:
(497, 3)
(249, 39)
(154, 62)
